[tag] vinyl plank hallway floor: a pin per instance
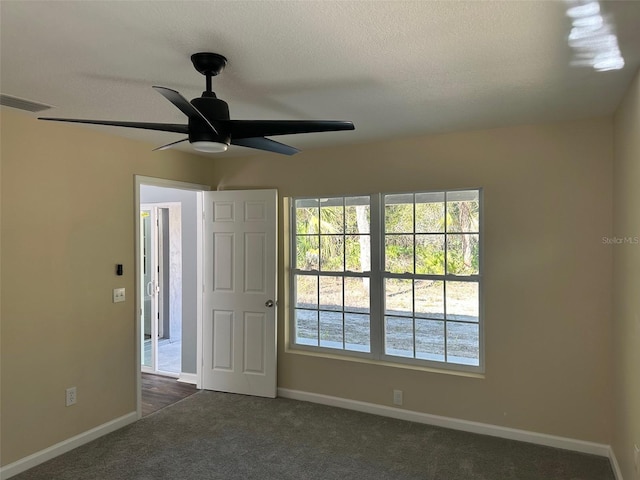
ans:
(159, 392)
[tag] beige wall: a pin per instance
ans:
(626, 323)
(547, 192)
(67, 220)
(67, 199)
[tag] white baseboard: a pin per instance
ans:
(188, 378)
(453, 423)
(42, 456)
(614, 464)
(65, 446)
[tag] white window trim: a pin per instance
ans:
(377, 276)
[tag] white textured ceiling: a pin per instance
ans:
(393, 68)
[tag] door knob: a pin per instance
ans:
(268, 303)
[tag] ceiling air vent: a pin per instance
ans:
(22, 104)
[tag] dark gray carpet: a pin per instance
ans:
(214, 435)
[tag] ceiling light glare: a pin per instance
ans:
(593, 37)
(584, 10)
(595, 44)
(593, 21)
(583, 32)
(604, 62)
(581, 63)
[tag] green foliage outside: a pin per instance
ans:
(332, 311)
(329, 238)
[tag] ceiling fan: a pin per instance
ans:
(209, 127)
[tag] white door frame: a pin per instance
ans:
(161, 182)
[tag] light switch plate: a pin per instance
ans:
(118, 295)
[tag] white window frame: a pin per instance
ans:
(377, 277)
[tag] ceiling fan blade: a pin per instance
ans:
(169, 145)
(267, 128)
(267, 144)
(183, 104)
(164, 127)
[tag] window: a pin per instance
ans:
(392, 277)
(333, 272)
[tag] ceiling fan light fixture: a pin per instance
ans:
(210, 130)
(210, 147)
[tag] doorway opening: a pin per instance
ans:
(168, 300)
(229, 260)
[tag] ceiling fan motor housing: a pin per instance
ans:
(213, 109)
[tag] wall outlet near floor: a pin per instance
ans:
(636, 458)
(397, 397)
(72, 396)
(118, 295)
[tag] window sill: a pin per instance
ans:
(348, 358)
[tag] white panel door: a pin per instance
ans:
(239, 302)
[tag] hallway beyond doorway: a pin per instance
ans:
(159, 392)
(169, 354)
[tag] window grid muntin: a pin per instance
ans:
(446, 278)
(446, 272)
(322, 234)
(446, 321)
(343, 311)
(378, 275)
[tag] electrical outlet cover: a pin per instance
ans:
(71, 396)
(118, 295)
